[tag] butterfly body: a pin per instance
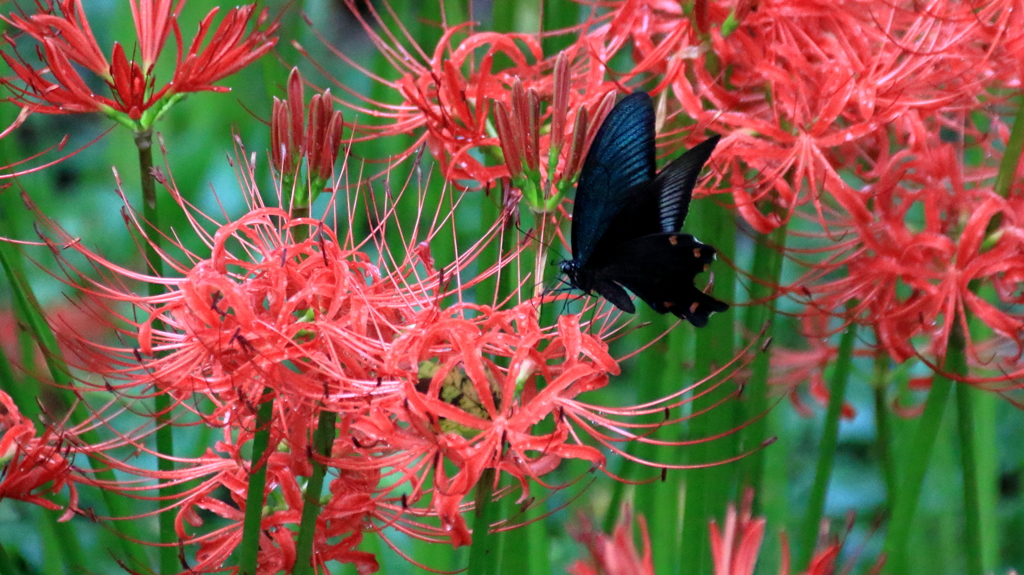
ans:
(627, 216)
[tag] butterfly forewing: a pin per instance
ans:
(660, 204)
(620, 157)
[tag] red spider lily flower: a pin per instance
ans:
(614, 554)
(340, 524)
(489, 423)
(67, 40)
(485, 379)
(915, 275)
(821, 116)
(449, 93)
(31, 467)
(318, 143)
(657, 33)
(313, 319)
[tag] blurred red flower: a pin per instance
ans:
(614, 554)
(66, 40)
(735, 547)
(32, 466)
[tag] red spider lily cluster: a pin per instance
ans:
(436, 390)
(476, 101)
(897, 91)
(434, 393)
(65, 40)
(928, 232)
(804, 89)
(801, 92)
(846, 122)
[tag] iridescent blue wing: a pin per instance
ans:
(621, 157)
(659, 205)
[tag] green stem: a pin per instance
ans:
(883, 431)
(956, 362)
(61, 539)
(1011, 158)
(483, 553)
(323, 440)
(558, 16)
(767, 269)
(6, 564)
(512, 562)
(627, 469)
(709, 490)
(921, 447)
(537, 535)
(162, 402)
(992, 529)
(250, 545)
(540, 254)
(659, 372)
(827, 451)
(515, 16)
(980, 469)
(23, 393)
(24, 390)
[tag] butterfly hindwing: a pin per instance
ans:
(660, 269)
(614, 293)
(620, 157)
(675, 184)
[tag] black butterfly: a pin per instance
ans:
(627, 217)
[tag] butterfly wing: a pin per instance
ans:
(659, 205)
(674, 184)
(626, 217)
(660, 269)
(621, 157)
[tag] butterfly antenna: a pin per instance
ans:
(530, 234)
